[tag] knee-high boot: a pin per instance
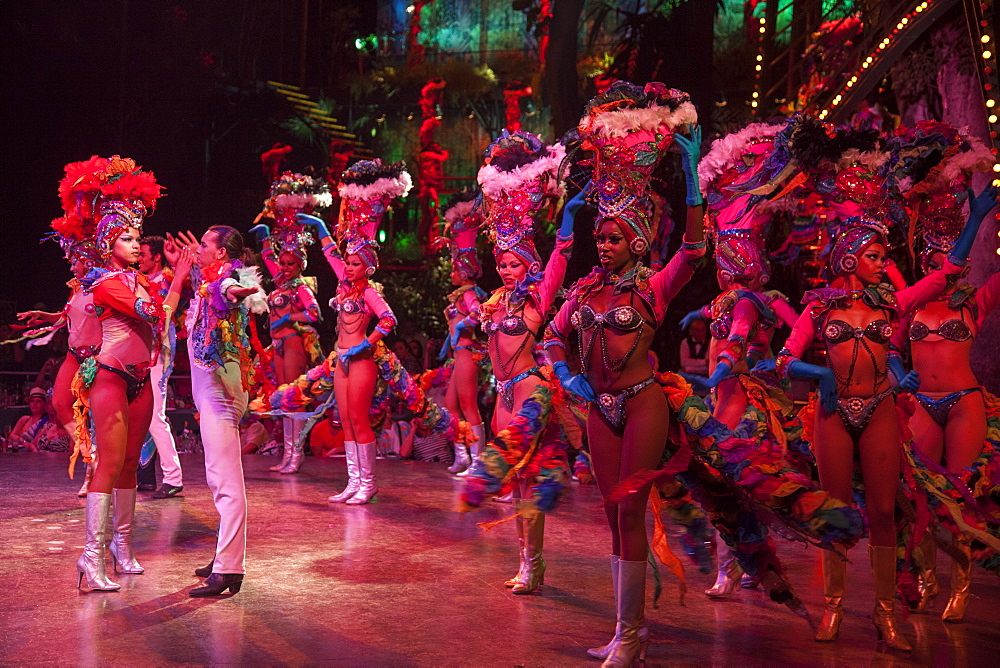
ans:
(961, 579)
(353, 477)
(366, 472)
(603, 651)
(92, 562)
(533, 571)
(295, 462)
(883, 561)
(462, 459)
(286, 446)
(630, 602)
(87, 477)
(519, 522)
(834, 582)
(479, 431)
(121, 541)
(929, 586)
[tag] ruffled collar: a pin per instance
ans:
(875, 296)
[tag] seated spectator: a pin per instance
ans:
(52, 437)
(29, 426)
(694, 349)
(326, 439)
(418, 353)
(409, 362)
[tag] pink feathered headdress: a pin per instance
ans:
(462, 220)
(629, 129)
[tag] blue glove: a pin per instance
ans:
(443, 353)
(908, 382)
(764, 366)
(827, 382)
(703, 384)
(578, 385)
(691, 317)
(261, 231)
(570, 210)
(690, 154)
(313, 221)
(460, 326)
(979, 206)
(354, 351)
(280, 321)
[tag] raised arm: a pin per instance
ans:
(326, 242)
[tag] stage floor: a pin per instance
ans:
(403, 581)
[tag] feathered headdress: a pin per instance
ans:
(127, 195)
(462, 220)
(366, 189)
(520, 172)
(80, 196)
(629, 129)
(932, 165)
(292, 194)
(735, 220)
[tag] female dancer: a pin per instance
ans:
(616, 310)
(856, 407)
(113, 384)
(949, 423)
(366, 190)
(462, 396)
(227, 291)
(520, 173)
(293, 305)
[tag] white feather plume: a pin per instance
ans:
(250, 277)
(384, 187)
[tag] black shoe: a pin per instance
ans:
(204, 571)
(146, 486)
(218, 583)
(167, 491)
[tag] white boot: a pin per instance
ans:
(353, 478)
(286, 449)
(729, 574)
(630, 601)
(295, 461)
(479, 430)
(91, 563)
(366, 471)
(121, 541)
(462, 459)
(603, 651)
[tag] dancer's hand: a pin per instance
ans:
(445, 346)
(281, 322)
(261, 231)
(690, 155)
(765, 366)
(314, 221)
(460, 326)
(983, 203)
(703, 384)
(572, 207)
(690, 318)
(354, 351)
(578, 384)
(38, 317)
(173, 245)
(827, 382)
(907, 382)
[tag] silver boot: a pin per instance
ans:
(295, 461)
(603, 651)
(92, 562)
(121, 541)
(366, 472)
(519, 522)
(353, 477)
(630, 601)
(479, 430)
(286, 446)
(462, 459)
(729, 574)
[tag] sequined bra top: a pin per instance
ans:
(623, 318)
(838, 331)
(952, 330)
(280, 299)
(512, 325)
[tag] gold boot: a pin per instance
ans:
(883, 561)
(928, 573)
(834, 582)
(533, 573)
(961, 578)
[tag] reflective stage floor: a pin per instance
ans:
(403, 581)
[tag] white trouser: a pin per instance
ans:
(159, 429)
(221, 402)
